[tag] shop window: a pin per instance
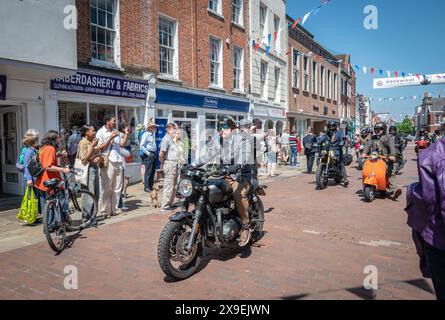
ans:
(210, 116)
(191, 115)
(98, 112)
(160, 113)
(72, 115)
(130, 116)
(178, 114)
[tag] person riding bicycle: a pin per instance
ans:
(399, 142)
(383, 143)
(337, 142)
(234, 150)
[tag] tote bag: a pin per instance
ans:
(81, 171)
(29, 208)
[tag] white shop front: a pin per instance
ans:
(266, 118)
(196, 112)
(85, 98)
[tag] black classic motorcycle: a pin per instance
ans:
(212, 222)
(328, 166)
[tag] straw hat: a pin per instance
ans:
(151, 123)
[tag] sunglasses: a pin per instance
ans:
(224, 126)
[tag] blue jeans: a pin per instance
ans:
(293, 156)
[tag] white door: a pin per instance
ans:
(189, 137)
(9, 147)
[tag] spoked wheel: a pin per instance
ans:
(173, 257)
(53, 228)
(258, 230)
(321, 177)
(369, 193)
(82, 209)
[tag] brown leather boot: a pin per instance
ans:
(244, 236)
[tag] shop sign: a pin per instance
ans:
(2, 87)
(277, 113)
(101, 85)
(183, 98)
(261, 111)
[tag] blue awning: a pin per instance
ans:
(184, 98)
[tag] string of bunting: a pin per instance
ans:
(256, 43)
(381, 99)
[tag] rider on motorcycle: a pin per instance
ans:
(337, 142)
(235, 149)
(365, 135)
(398, 141)
(384, 145)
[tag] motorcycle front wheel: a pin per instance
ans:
(369, 193)
(173, 257)
(321, 178)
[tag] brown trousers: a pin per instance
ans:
(240, 192)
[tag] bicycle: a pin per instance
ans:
(66, 211)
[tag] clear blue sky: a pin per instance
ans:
(410, 38)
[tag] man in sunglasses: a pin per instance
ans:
(384, 144)
(234, 149)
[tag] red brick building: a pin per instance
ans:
(314, 83)
(194, 53)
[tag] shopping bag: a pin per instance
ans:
(29, 208)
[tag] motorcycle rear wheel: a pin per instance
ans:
(171, 248)
(369, 193)
(321, 179)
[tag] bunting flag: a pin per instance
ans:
(396, 74)
(357, 67)
(288, 52)
(381, 72)
(388, 73)
(268, 38)
(295, 23)
(365, 69)
(403, 74)
(267, 50)
(275, 35)
(372, 71)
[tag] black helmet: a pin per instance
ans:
(226, 122)
(366, 130)
(393, 129)
(380, 126)
(332, 125)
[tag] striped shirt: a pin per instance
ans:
(293, 141)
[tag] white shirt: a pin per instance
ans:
(102, 136)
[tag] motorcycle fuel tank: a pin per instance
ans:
(219, 190)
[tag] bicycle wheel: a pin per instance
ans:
(55, 233)
(82, 209)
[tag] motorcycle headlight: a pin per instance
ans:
(185, 187)
(324, 152)
(332, 154)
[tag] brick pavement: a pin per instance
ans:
(316, 245)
